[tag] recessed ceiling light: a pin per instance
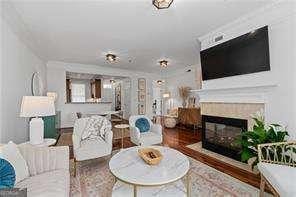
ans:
(111, 57)
(163, 63)
(162, 4)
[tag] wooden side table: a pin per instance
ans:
(189, 116)
(121, 127)
(46, 142)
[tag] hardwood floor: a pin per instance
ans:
(178, 138)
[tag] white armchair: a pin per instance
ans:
(153, 136)
(90, 148)
(277, 165)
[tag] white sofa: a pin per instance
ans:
(92, 148)
(48, 170)
(278, 172)
(151, 137)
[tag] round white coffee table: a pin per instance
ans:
(136, 177)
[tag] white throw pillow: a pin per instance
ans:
(11, 153)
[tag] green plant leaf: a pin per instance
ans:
(249, 140)
(246, 154)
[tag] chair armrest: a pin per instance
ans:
(76, 141)
(109, 137)
(283, 153)
(135, 134)
(156, 128)
(44, 159)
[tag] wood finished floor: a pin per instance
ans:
(178, 138)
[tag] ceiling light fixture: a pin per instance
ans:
(159, 82)
(162, 4)
(163, 63)
(111, 57)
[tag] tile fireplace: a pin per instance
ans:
(219, 134)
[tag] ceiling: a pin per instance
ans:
(139, 34)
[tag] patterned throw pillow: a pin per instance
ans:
(7, 174)
(143, 125)
(96, 127)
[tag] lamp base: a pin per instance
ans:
(36, 131)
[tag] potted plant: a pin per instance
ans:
(260, 134)
(184, 94)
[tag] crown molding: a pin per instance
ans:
(270, 14)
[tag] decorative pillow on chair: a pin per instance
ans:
(143, 125)
(7, 174)
(11, 153)
(96, 127)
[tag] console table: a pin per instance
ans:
(189, 116)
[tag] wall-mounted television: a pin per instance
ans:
(245, 54)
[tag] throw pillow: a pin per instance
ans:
(143, 125)
(7, 174)
(11, 153)
(96, 127)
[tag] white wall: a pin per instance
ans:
(56, 75)
(280, 18)
(18, 63)
(1, 43)
(179, 78)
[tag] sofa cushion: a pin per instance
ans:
(54, 183)
(92, 148)
(280, 177)
(43, 159)
(150, 138)
(142, 124)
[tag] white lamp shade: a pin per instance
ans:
(53, 95)
(37, 106)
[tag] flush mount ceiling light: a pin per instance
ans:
(163, 63)
(162, 4)
(160, 82)
(111, 57)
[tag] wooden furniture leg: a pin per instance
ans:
(262, 186)
(75, 167)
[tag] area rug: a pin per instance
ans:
(94, 179)
(198, 147)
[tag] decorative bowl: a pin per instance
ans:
(150, 155)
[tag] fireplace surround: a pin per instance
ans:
(219, 134)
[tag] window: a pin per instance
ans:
(107, 86)
(78, 92)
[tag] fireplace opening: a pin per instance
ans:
(219, 135)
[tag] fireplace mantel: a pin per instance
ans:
(248, 94)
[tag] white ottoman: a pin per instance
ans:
(170, 122)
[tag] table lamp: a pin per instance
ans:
(36, 107)
(53, 95)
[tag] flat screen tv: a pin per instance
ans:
(245, 54)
